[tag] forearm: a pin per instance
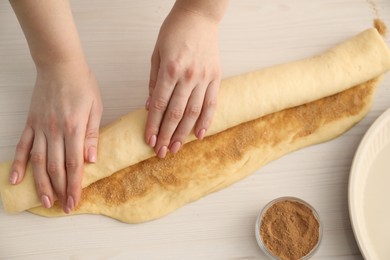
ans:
(49, 29)
(212, 9)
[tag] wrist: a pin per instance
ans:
(56, 56)
(211, 10)
(74, 67)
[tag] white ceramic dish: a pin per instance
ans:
(369, 191)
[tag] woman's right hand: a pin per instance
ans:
(61, 132)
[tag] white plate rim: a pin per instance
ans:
(359, 162)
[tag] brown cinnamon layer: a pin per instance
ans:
(155, 187)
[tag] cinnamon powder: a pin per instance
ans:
(380, 26)
(289, 229)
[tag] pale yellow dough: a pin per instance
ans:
(153, 188)
(241, 99)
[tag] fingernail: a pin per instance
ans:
(147, 103)
(13, 178)
(45, 201)
(66, 209)
(201, 134)
(92, 154)
(175, 147)
(152, 141)
(70, 204)
(162, 152)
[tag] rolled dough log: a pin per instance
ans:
(241, 98)
(153, 188)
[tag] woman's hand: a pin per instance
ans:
(61, 132)
(63, 123)
(184, 80)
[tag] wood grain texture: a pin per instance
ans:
(118, 37)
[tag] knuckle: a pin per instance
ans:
(193, 111)
(190, 73)
(53, 168)
(37, 158)
(175, 114)
(42, 186)
(152, 129)
(22, 146)
(72, 164)
(211, 103)
(53, 126)
(152, 83)
(160, 104)
(70, 125)
(18, 164)
(92, 133)
(173, 68)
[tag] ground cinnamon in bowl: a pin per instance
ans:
(288, 228)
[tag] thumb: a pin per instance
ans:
(154, 67)
(92, 133)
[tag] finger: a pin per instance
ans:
(41, 178)
(155, 64)
(22, 155)
(172, 118)
(208, 109)
(56, 166)
(92, 133)
(74, 142)
(158, 105)
(191, 115)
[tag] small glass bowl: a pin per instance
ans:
(260, 217)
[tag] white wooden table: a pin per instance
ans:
(118, 37)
